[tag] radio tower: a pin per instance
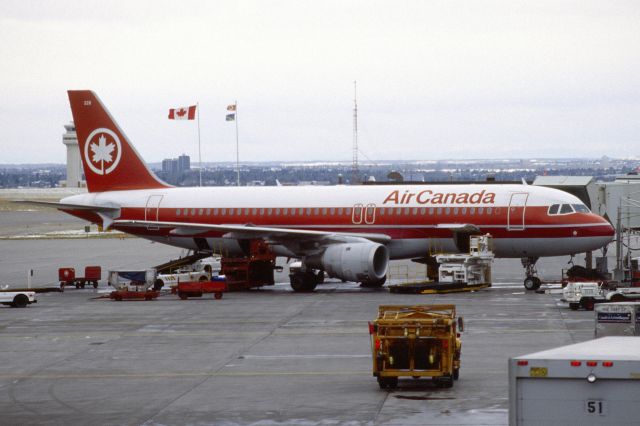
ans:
(355, 174)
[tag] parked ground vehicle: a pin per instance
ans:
(416, 341)
(583, 294)
(186, 289)
(67, 276)
(589, 383)
(587, 294)
(17, 299)
(171, 280)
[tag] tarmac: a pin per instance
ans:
(261, 357)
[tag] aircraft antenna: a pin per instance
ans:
(355, 178)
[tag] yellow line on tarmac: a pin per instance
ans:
(159, 375)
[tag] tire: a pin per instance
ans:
(574, 306)
(20, 301)
(456, 374)
(158, 284)
(182, 295)
(82, 284)
(444, 381)
(618, 298)
(588, 304)
(95, 284)
(217, 296)
(303, 282)
(374, 284)
(319, 276)
(203, 279)
(388, 382)
(532, 283)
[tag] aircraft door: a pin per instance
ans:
(356, 216)
(370, 214)
(152, 209)
(515, 214)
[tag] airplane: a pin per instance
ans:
(350, 232)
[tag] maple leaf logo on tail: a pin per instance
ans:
(102, 152)
(104, 144)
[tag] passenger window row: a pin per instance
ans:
(381, 211)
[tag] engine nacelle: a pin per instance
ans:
(358, 262)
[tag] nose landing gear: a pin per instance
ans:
(531, 282)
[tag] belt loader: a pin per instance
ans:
(416, 341)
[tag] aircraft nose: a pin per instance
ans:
(608, 229)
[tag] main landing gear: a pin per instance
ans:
(531, 282)
(306, 281)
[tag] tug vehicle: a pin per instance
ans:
(17, 299)
(416, 341)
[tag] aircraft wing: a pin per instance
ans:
(250, 231)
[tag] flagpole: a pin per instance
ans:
(237, 147)
(199, 151)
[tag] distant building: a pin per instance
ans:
(74, 165)
(170, 166)
(184, 163)
(174, 168)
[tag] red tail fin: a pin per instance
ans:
(109, 160)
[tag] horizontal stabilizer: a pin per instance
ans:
(66, 206)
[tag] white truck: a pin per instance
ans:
(590, 383)
(172, 280)
(17, 299)
(583, 294)
(587, 294)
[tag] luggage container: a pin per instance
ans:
(416, 341)
(590, 383)
(617, 319)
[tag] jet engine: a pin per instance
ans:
(359, 262)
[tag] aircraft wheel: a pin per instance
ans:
(374, 284)
(303, 282)
(532, 283)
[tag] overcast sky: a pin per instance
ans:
(436, 79)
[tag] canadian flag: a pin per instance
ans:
(183, 113)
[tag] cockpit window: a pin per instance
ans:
(556, 209)
(566, 209)
(580, 208)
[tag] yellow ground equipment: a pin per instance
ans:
(416, 341)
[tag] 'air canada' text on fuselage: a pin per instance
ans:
(429, 197)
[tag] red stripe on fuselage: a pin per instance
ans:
(397, 222)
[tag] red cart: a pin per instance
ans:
(198, 288)
(67, 276)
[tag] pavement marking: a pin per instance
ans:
(317, 356)
(75, 376)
